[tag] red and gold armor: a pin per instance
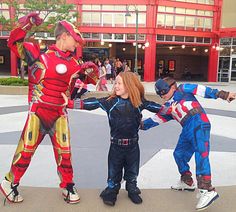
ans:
(49, 73)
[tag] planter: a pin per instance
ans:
(13, 90)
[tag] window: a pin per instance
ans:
(86, 19)
(161, 20)
(169, 21)
(225, 41)
(107, 19)
(95, 19)
(107, 36)
(208, 24)
(160, 37)
(189, 39)
(179, 22)
(119, 19)
(190, 23)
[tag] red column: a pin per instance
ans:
(13, 64)
(150, 52)
(79, 52)
(213, 53)
(150, 59)
(213, 62)
(13, 56)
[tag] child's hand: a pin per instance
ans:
(231, 97)
(65, 99)
(173, 107)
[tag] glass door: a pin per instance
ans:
(224, 69)
(233, 69)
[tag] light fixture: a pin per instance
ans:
(139, 45)
(217, 48)
(102, 43)
(147, 44)
(124, 49)
(134, 43)
(143, 47)
(183, 46)
(194, 49)
(110, 44)
(206, 50)
(171, 47)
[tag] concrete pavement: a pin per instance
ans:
(157, 169)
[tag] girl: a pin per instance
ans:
(101, 85)
(123, 108)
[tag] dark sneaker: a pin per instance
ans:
(135, 198)
(109, 196)
(10, 192)
(70, 193)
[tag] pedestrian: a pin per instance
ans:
(182, 106)
(123, 108)
(108, 70)
(50, 74)
(101, 85)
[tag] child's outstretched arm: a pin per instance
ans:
(207, 92)
(85, 104)
(164, 115)
(151, 106)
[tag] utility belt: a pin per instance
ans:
(190, 113)
(124, 141)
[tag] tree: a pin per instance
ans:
(51, 11)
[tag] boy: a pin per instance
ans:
(50, 75)
(182, 106)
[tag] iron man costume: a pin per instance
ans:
(50, 74)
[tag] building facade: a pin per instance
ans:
(187, 39)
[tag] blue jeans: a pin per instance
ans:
(123, 157)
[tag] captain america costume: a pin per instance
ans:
(49, 74)
(195, 134)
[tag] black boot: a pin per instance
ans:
(134, 196)
(133, 192)
(109, 196)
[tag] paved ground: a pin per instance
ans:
(157, 172)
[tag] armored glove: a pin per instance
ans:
(29, 20)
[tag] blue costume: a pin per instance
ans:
(195, 134)
(124, 121)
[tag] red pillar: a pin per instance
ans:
(213, 61)
(13, 56)
(150, 52)
(79, 52)
(13, 64)
(150, 59)
(214, 53)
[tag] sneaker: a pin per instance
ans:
(206, 198)
(135, 198)
(70, 193)
(109, 196)
(10, 192)
(182, 186)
